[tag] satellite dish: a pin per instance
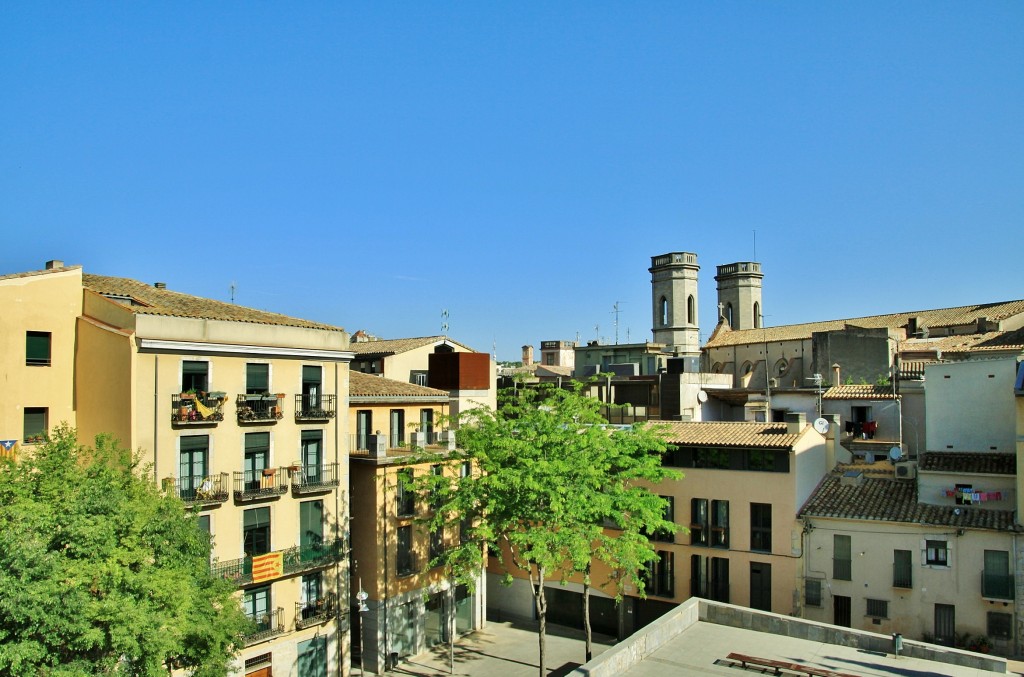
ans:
(702, 396)
(821, 425)
(895, 454)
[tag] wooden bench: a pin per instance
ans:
(779, 666)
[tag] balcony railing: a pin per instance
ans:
(314, 407)
(996, 586)
(313, 556)
(626, 414)
(311, 479)
(902, 576)
(264, 625)
(199, 488)
(259, 408)
(238, 571)
(189, 408)
(315, 612)
(251, 485)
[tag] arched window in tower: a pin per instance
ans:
(728, 315)
(757, 315)
(690, 314)
(663, 312)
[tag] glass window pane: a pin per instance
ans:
(257, 378)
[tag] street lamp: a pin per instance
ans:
(447, 587)
(361, 597)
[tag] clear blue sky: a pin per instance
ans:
(370, 164)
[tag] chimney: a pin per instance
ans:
(835, 375)
(527, 356)
(160, 285)
(54, 264)
(796, 421)
(378, 445)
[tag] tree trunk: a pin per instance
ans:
(586, 611)
(542, 614)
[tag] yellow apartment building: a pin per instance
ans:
(241, 413)
(408, 607)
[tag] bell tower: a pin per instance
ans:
(674, 299)
(739, 294)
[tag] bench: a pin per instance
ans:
(779, 666)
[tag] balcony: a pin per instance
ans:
(997, 586)
(314, 407)
(312, 479)
(238, 571)
(264, 625)
(627, 413)
(259, 408)
(199, 489)
(301, 559)
(197, 408)
(253, 485)
(308, 614)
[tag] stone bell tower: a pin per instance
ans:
(674, 301)
(739, 294)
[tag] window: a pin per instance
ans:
(418, 377)
(711, 458)
(691, 310)
(427, 423)
(549, 359)
(812, 592)
(193, 465)
(761, 527)
(997, 582)
(757, 315)
(698, 521)
(37, 348)
(663, 312)
(311, 527)
(257, 379)
(709, 577)
(728, 315)
(397, 427)
(936, 553)
(35, 424)
(466, 469)
(669, 515)
(311, 589)
(313, 657)
(1000, 625)
(312, 385)
(256, 604)
(404, 556)
(257, 459)
(364, 428)
(312, 456)
(902, 571)
(405, 498)
(436, 543)
(435, 497)
(195, 376)
(256, 531)
(465, 526)
(878, 608)
(842, 564)
(720, 524)
(203, 522)
(659, 575)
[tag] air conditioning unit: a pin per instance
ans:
(906, 470)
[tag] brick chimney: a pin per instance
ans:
(54, 264)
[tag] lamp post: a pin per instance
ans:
(448, 588)
(361, 597)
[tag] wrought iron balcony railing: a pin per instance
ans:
(197, 408)
(238, 571)
(902, 576)
(311, 479)
(996, 586)
(264, 625)
(199, 488)
(312, 556)
(315, 612)
(259, 408)
(314, 407)
(251, 485)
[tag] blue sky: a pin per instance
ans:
(370, 164)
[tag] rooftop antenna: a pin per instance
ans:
(615, 312)
(444, 322)
(577, 337)
(597, 333)
(755, 244)
(233, 286)
(494, 349)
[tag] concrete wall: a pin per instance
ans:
(971, 405)
(862, 354)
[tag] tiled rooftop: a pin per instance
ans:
(859, 392)
(981, 462)
(154, 301)
(395, 346)
(728, 434)
(943, 317)
(368, 385)
(884, 498)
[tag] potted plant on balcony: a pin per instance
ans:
(294, 467)
(269, 472)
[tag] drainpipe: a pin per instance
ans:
(156, 408)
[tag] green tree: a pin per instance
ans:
(101, 575)
(548, 475)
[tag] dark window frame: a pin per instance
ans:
(38, 348)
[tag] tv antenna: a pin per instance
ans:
(444, 322)
(233, 287)
(615, 312)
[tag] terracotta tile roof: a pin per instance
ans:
(943, 317)
(728, 434)
(369, 385)
(993, 341)
(859, 392)
(983, 462)
(35, 273)
(154, 301)
(395, 346)
(886, 499)
(552, 370)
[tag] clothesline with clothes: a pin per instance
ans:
(862, 429)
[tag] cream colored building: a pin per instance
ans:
(410, 607)
(241, 413)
